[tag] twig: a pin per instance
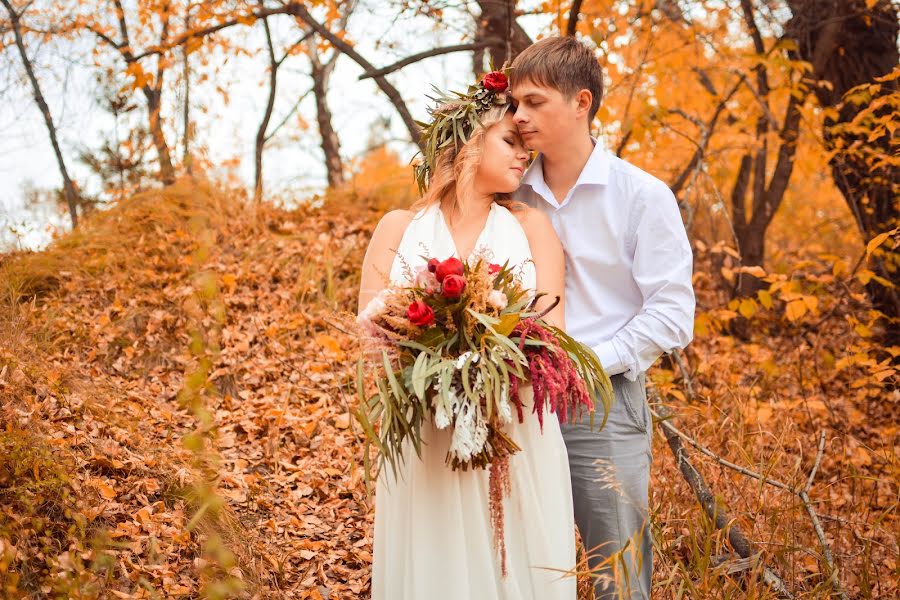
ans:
(713, 508)
(688, 383)
(817, 526)
(674, 436)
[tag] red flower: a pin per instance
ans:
(420, 314)
(495, 81)
(432, 264)
(453, 286)
(493, 268)
(451, 266)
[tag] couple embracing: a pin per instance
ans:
(608, 240)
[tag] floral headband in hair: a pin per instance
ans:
(455, 117)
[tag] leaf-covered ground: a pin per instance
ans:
(183, 338)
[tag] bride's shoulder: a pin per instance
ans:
(393, 224)
(533, 221)
(396, 218)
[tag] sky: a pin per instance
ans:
(293, 164)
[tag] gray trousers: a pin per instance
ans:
(610, 472)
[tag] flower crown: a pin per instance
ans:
(454, 117)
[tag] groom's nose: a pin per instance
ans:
(520, 120)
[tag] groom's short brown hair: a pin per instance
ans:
(562, 63)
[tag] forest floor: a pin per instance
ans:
(174, 417)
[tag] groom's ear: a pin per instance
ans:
(583, 100)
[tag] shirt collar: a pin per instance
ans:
(595, 171)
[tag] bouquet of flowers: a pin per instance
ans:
(455, 347)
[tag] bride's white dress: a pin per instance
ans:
(433, 535)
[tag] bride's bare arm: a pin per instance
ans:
(380, 254)
(549, 262)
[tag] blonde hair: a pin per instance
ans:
(455, 169)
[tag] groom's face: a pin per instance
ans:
(543, 115)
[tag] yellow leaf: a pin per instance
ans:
(678, 394)
(507, 324)
(876, 241)
(755, 270)
(701, 324)
(812, 303)
(795, 309)
(747, 308)
(765, 298)
(230, 282)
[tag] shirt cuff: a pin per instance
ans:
(610, 359)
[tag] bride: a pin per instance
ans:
(433, 533)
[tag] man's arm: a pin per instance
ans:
(662, 269)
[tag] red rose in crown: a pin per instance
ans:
(495, 81)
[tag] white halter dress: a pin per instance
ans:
(433, 535)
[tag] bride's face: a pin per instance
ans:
(504, 158)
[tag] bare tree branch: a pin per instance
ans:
(574, 13)
(390, 91)
(427, 54)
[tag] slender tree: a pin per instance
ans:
(71, 192)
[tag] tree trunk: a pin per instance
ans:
(186, 159)
(68, 184)
(166, 170)
(498, 22)
(264, 125)
(766, 198)
(383, 84)
(851, 44)
(331, 147)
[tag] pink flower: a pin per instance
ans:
(426, 280)
(493, 268)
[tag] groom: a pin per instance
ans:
(628, 294)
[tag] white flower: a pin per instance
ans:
(469, 433)
(375, 306)
(497, 299)
(504, 407)
(464, 357)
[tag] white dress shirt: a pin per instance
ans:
(628, 261)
